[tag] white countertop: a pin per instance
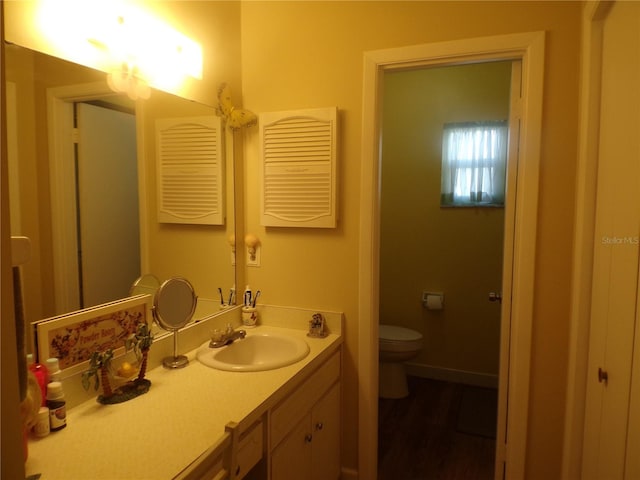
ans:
(158, 434)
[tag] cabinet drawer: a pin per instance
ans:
(249, 450)
(295, 406)
(212, 464)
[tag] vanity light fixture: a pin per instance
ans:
(253, 250)
(126, 39)
(127, 79)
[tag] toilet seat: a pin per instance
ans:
(399, 339)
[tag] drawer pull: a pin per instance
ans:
(308, 437)
(319, 426)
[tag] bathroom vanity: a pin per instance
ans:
(199, 422)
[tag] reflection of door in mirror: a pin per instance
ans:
(108, 231)
(33, 197)
(94, 199)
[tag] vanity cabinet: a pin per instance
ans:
(233, 428)
(305, 428)
(231, 458)
(214, 464)
(296, 437)
(248, 451)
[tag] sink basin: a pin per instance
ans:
(255, 352)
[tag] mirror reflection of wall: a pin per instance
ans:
(197, 252)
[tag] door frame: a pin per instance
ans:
(515, 354)
(60, 102)
(594, 16)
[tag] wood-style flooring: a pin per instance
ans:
(421, 437)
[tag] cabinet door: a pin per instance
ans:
(292, 459)
(616, 249)
(325, 424)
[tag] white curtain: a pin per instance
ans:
(474, 163)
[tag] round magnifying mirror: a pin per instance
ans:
(173, 307)
(146, 284)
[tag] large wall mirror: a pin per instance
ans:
(107, 191)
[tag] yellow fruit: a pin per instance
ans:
(126, 370)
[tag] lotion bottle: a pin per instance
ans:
(57, 406)
(53, 367)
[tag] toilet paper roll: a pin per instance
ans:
(434, 302)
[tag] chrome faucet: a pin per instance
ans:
(222, 338)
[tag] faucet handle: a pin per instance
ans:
(229, 329)
(216, 335)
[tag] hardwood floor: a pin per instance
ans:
(426, 435)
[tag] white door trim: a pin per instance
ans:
(586, 185)
(62, 184)
(529, 48)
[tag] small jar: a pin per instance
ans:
(57, 406)
(42, 426)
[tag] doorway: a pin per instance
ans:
(61, 106)
(453, 247)
(518, 272)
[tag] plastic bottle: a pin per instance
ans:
(57, 406)
(41, 374)
(53, 368)
(42, 426)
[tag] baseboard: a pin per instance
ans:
(348, 474)
(451, 375)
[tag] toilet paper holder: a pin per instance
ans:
(433, 300)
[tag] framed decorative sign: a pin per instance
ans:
(73, 337)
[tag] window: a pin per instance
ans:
(473, 164)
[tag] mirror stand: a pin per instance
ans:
(177, 361)
(173, 307)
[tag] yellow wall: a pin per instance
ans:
(457, 251)
(310, 54)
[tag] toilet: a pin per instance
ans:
(397, 345)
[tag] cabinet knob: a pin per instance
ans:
(308, 437)
(495, 297)
(319, 426)
(603, 376)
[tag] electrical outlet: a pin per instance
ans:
(255, 261)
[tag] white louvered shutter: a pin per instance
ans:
(298, 168)
(190, 164)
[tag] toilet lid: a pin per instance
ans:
(395, 333)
